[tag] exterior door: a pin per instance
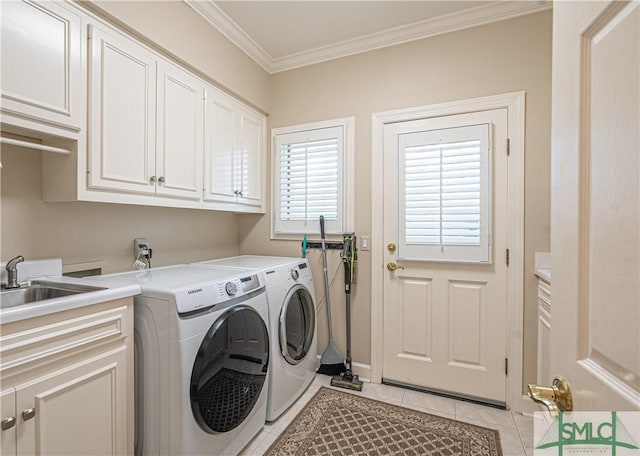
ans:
(595, 227)
(445, 233)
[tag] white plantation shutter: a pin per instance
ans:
(445, 192)
(309, 181)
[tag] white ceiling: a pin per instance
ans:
(281, 35)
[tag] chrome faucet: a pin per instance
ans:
(12, 272)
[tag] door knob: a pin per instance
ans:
(392, 267)
(161, 179)
(391, 246)
(556, 398)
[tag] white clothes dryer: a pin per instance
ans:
(202, 356)
(292, 325)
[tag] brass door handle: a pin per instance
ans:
(556, 398)
(393, 266)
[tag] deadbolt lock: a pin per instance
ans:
(391, 247)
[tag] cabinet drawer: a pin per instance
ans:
(58, 336)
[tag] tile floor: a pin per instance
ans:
(516, 431)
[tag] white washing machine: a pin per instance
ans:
(292, 325)
(202, 356)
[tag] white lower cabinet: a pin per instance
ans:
(234, 154)
(67, 382)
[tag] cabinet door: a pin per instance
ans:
(78, 410)
(7, 412)
(251, 156)
(220, 148)
(180, 141)
(41, 62)
(122, 104)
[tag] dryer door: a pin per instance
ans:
(230, 370)
(297, 324)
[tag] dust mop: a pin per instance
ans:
(347, 379)
(331, 361)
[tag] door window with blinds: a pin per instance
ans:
(444, 199)
(309, 179)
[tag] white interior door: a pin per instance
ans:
(445, 211)
(595, 231)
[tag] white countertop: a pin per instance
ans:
(49, 306)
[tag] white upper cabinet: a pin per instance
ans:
(220, 143)
(252, 149)
(42, 81)
(122, 100)
(234, 154)
(180, 139)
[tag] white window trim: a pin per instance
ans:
(348, 177)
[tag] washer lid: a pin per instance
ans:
(252, 261)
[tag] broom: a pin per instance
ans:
(331, 361)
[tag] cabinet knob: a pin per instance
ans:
(8, 423)
(161, 179)
(28, 414)
(152, 179)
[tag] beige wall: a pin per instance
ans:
(82, 232)
(507, 56)
(177, 28)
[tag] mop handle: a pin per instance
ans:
(326, 276)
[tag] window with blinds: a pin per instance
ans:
(444, 194)
(309, 180)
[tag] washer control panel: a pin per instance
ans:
(300, 271)
(239, 286)
(214, 293)
(231, 288)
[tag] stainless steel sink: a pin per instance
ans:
(41, 291)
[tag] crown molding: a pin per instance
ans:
(225, 25)
(494, 12)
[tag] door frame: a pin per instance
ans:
(514, 102)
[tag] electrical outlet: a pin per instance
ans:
(141, 248)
